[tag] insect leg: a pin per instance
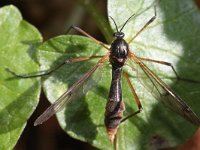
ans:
(54, 69)
(170, 65)
(135, 96)
(65, 98)
(86, 34)
(148, 23)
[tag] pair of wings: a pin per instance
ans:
(152, 82)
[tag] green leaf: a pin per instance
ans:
(83, 118)
(173, 37)
(19, 97)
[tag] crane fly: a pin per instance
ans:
(117, 55)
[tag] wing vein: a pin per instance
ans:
(166, 95)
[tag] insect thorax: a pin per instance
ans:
(119, 52)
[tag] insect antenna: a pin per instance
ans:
(114, 23)
(126, 22)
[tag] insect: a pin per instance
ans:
(118, 54)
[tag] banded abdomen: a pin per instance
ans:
(115, 105)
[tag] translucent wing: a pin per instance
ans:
(162, 92)
(65, 98)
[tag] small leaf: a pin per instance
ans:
(19, 97)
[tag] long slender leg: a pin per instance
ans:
(148, 23)
(135, 96)
(54, 69)
(86, 34)
(170, 65)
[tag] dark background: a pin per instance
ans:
(52, 18)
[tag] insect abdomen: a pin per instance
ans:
(113, 119)
(115, 105)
